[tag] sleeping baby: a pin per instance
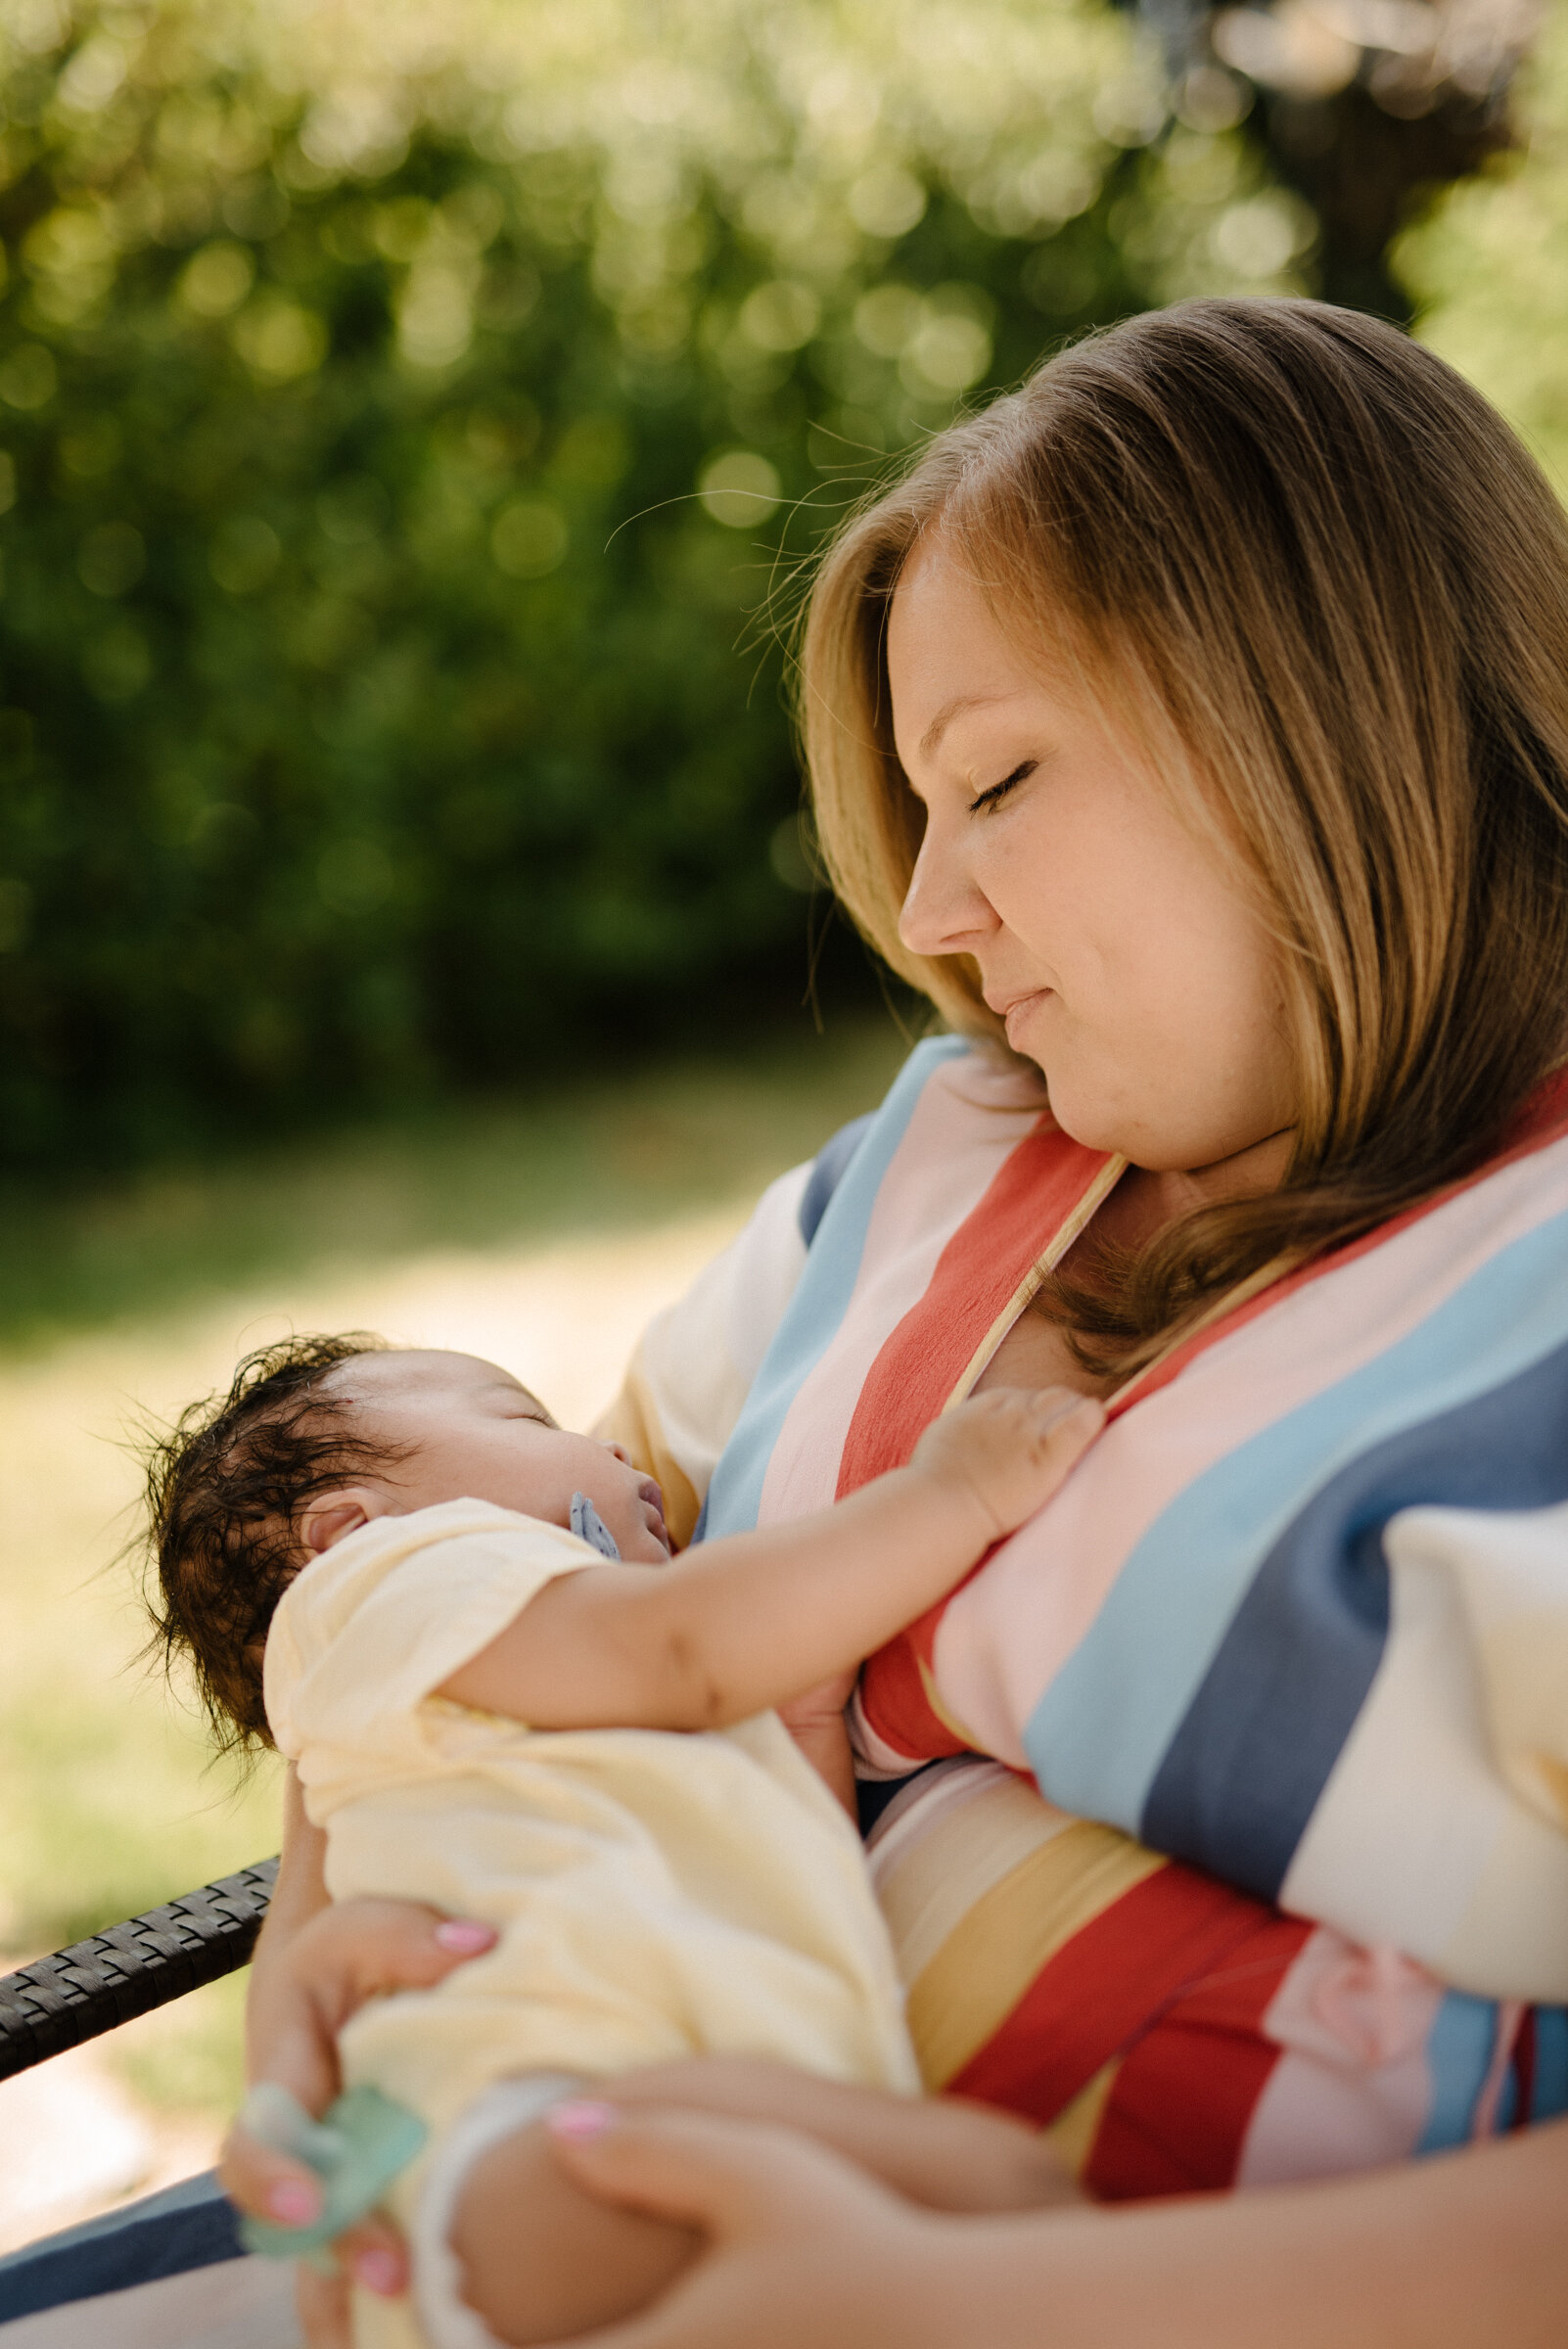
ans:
(503, 1697)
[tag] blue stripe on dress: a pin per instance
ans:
(1548, 2092)
(1459, 2054)
(820, 1299)
(827, 1173)
(1098, 1736)
(1243, 1773)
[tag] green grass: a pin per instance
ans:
(188, 2058)
(625, 1154)
(119, 1303)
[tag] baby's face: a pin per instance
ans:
(466, 1430)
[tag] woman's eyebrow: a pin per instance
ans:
(960, 704)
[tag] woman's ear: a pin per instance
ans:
(329, 1517)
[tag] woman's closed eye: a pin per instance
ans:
(998, 791)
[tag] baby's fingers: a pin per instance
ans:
(1020, 1450)
(1063, 1424)
(1061, 1436)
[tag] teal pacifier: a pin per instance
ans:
(357, 2151)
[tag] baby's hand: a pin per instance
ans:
(1010, 1449)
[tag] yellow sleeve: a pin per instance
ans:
(370, 1630)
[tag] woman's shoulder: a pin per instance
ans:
(952, 1109)
(952, 1095)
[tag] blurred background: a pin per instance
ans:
(415, 422)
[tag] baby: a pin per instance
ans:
(462, 1623)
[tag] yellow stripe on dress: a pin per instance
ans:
(980, 1821)
(1071, 2135)
(965, 1992)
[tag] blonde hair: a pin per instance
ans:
(1332, 590)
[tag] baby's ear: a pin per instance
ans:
(332, 1515)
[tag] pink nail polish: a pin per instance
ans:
(579, 2117)
(378, 2272)
(292, 2202)
(464, 1936)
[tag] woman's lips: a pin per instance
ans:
(1020, 1009)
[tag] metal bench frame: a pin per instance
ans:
(62, 2002)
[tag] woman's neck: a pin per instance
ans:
(1145, 1200)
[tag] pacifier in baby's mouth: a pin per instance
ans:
(590, 1526)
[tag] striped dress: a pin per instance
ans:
(1228, 1824)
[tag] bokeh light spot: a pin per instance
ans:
(110, 559)
(218, 279)
(739, 487)
(27, 376)
(527, 539)
(245, 554)
(886, 202)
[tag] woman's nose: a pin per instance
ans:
(944, 912)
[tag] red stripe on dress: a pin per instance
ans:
(1176, 2118)
(1524, 2071)
(1176, 1936)
(1543, 1120)
(1032, 1194)
(892, 1690)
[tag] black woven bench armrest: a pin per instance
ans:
(61, 2000)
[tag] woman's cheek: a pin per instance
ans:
(1103, 1096)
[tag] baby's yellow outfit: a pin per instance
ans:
(657, 1895)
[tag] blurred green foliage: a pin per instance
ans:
(1488, 269)
(406, 416)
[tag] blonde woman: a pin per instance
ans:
(1192, 727)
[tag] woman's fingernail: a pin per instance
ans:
(579, 2117)
(464, 1936)
(378, 2272)
(293, 2202)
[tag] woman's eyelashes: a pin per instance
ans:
(998, 791)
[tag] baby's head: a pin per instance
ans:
(315, 1438)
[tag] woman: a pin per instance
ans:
(1195, 720)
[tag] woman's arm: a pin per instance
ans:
(298, 1895)
(817, 1722)
(1458, 2252)
(314, 1965)
(740, 1623)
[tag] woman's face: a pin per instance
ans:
(1109, 935)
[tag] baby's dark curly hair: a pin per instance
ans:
(225, 1492)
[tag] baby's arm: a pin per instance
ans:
(543, 2262)
(753, 1620)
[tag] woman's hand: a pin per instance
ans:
(311, 1984)
(815, 1722)
(1447, 2253)
(801, 2244)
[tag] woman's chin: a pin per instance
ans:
(1092, 1124)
